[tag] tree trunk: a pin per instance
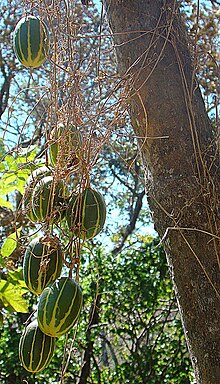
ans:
(180, 156)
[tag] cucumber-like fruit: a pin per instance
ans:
(42, 264)
(86, 214)
(31, 41)
(59, 307)
(35, 348)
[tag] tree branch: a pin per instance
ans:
(88, 352)
(4, 93)
(131, 226)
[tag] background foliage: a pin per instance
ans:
(134, 327)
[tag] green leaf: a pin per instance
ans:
(24, 173)
(11, 162)
(5, 203)
(7, 185)
(2, 166)
(27, 155)
(16, 278)
(2, 261)
(32, 153)
(11, 295)
(5, 189)
(20, 184)
(15, 275)
(14, 181)
(21, 160)
(10, 243)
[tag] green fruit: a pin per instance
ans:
(42, 263)
(59, 307)
(86, 214)
(33, 179)
(66, 142)
(31, 41)
(49, 199)
(35, 348)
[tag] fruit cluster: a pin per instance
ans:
(47, 200)
(59, 304)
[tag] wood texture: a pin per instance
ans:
(179, 154)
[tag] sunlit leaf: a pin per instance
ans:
(32, 154)
(20, 184)
(10, 244)
(11, 162)
(16, 277)
(11, 295)
(8, 177)
(7, 183)
(2, 261)
(2, 166)
(28, 155)
(5, 203)
(5, 189)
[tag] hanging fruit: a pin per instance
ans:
(35, 348)
(66, 144)
(33, 179)
(49, 199)
(59, 307)
(43, 263)
(31, 41)
(86, 214)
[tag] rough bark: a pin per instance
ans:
(180, 157)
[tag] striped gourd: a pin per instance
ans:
(31, 41)
(86, 214)
(49, 199)
(66, 142)
(33, 179)
(35, 348)
(42, 263)
(59, 307)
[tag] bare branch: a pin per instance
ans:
(131, 226)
